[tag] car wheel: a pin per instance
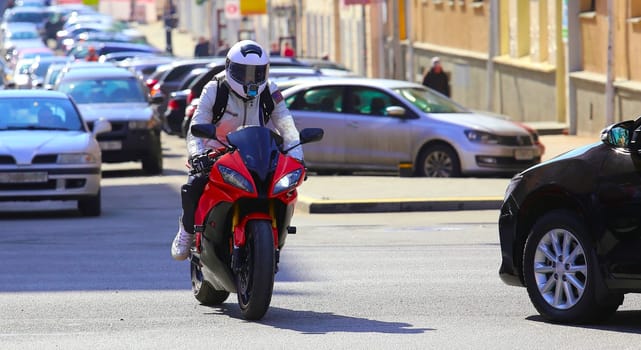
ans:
(438, 161)
(90, 206)
(152, 163)
(561, 271)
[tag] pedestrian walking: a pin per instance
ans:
(202, 47)
(436, 79)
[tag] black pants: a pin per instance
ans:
(190, 193)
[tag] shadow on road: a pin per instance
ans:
(621, 321)
(312, 322)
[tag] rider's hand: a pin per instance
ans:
(201, 163)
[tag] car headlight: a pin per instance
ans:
(287, 182)
(142, 124)
(481, 137)
(235, 179)
(516, 180)
(76, 158)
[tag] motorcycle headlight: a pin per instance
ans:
(76, 158)
(235, 179)
(481, 137)
(287, 182)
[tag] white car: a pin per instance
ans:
(47, 151)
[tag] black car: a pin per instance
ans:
(175, 112)
(570, 228)
(117, 95)
(166, 79)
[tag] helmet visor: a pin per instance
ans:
(248, 74)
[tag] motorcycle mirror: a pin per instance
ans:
(207, 131)
(311, 135)
(308, 135)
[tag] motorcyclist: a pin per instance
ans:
(246, 71)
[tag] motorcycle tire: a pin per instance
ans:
(203, 291)
(255, 281)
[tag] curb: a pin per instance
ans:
(315, 206)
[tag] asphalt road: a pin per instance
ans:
(351, 281)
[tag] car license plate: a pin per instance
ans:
(523, 154)
(25, 177)
(110, 145)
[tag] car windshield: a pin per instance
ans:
(21, 113)
(119, 90)
(430, 102)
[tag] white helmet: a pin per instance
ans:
(246, 67)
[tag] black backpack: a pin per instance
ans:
(266, 103)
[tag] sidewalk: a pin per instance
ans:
(375, 194)
(183, 43)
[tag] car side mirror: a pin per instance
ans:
(101, 126)
(620, 135)
(395, 111)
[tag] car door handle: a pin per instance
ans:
(352, 124)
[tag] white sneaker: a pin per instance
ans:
(182, 243)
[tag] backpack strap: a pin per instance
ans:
(266, 105)
(220, 105)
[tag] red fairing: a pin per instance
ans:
(286, 165)
(239, 230)
(217, 190)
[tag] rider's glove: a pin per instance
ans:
(201, 163)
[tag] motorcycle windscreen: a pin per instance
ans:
(259, 147)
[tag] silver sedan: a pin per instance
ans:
(47, 151)
(390, 125)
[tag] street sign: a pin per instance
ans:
(232, 9)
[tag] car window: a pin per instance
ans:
(430, 102)
(322, 99)
(104, 91)
(369, 101)
(40, 113)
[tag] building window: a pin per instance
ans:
(635, 11)
(588, 6)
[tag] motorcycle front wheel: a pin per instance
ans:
(255, 280)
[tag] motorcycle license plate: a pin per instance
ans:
(24, 177)
(523, 154)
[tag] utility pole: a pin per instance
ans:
(492, 51)
(396, 42)
(609, 83)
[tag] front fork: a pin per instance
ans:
(239, 237)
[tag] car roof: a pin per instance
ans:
(360, 81)
(285, 61)
(103, 73)
(32, 93)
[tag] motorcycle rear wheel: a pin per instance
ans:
(255, 281)
(203, 291)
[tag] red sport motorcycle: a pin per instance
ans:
(243, 216)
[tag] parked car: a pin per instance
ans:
(46, 150)
(188, 99)
(570, 229)
(117, 95)
(166, 79)
(393, 125)
(175, 112)
(40, 66)
(80, 50)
